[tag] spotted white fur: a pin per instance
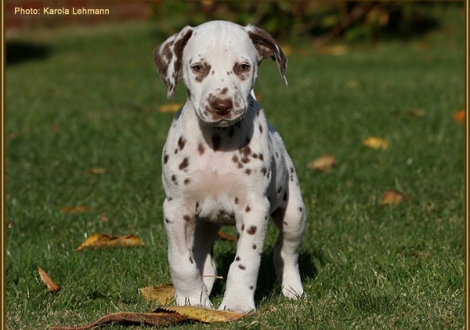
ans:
(223, 164)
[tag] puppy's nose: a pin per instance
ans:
(222, 106)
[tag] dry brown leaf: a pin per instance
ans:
(459, 116)
(98, 240)
(323, 164)
(374, 142)
(163, 294)
(415, 112)
(392, 197)
(75, 209)
(97, 170)
(163, 318)
(170, 107)
(201, 314)
(225, 237)
(51, 286)
(333, 50)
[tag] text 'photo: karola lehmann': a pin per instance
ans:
(61, 11)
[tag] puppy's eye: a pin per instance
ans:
(244, 67)
(197, 68)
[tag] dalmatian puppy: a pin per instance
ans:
(224, 165)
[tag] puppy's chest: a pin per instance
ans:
(218, 166)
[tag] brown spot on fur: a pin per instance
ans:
(236, 200)
(252, 230)
(201, 149)
(173, 178)
(165, 158)
(184, 163)
(248, 171)
(186, 181)
(260, 128)
(241, 267)
(181, 142)
(248, 209)
(186, 217)
(264, 170)
(254, 246)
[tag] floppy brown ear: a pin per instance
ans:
(268, 47)
(168, 57)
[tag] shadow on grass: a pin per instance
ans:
(267, 281)
(20, 51)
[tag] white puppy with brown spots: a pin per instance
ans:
(223, 164)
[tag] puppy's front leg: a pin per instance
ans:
(180, 225)
(243, 273)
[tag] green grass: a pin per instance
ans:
(92, 102)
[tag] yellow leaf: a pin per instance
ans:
(163, 294)
(104, 241)
(97, 170)
(286, 49)
(353, 83)
(51, 286)
(392, 197)
(75, 209)
(201, 314)
(375, 143)
(333, 50)
(170, 107)
(459, 116)
(323, 164)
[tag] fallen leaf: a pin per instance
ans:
(375, 143)
(323, 164)
(287, 50)
(163, 294)
(104, 241)
(51, 286)
(353, 83)
(415, 112)
(421, 254)
(163, 318)
(104, 218)
(201, 314)
(225, 237)
(459, 116)
(97, 170)
(333, 50)
(75, 209)
(393, 197)
(170, 107)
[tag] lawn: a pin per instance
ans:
(89, 98)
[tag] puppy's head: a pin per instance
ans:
(219, 61)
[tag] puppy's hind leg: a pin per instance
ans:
(290, 219)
